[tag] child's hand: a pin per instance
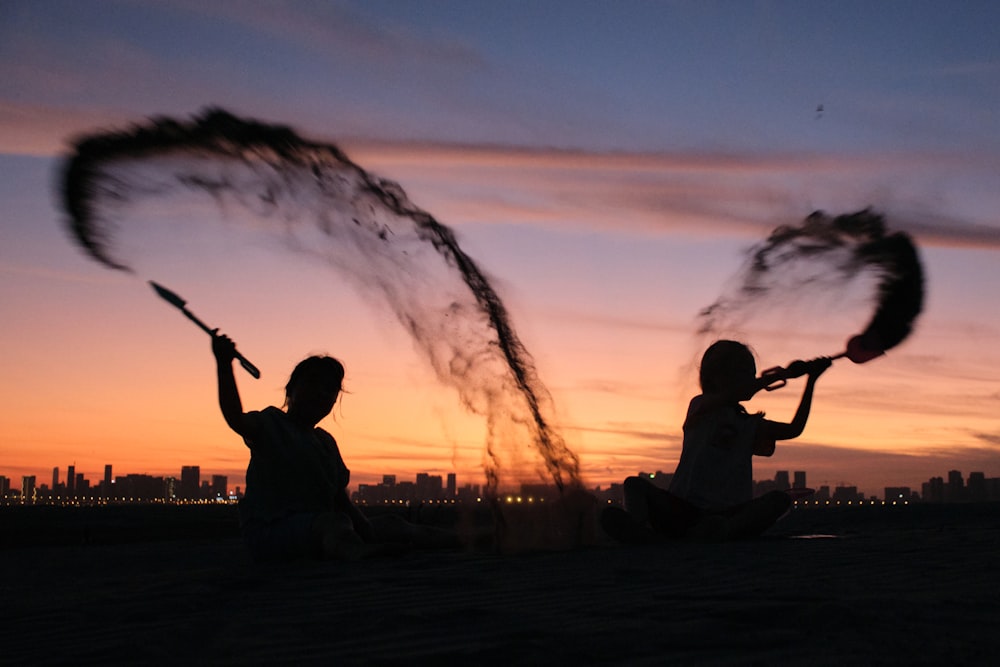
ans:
(223, 347)
(816, 367)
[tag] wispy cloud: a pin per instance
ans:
(699, 194)
(695, 193)
(41, 130)
(334, 30)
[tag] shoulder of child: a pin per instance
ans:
(697, 407)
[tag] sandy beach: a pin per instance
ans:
(878, 585)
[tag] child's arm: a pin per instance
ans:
(229, 396)
(770, 431)
(709, 401)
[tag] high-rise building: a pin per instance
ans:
(220, 486)
(190, 482)
(954, 489)
(428, 487)
(976, 490)
(932, 490)
(800, 479)
(28, 489)
(106, 491)
(71, 480)
(781, 480)
(897, 493)
(452, 486)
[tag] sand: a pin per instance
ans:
(914, 585)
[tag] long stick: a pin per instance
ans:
(175, 300)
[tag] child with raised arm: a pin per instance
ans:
(711, 493)
(296, 503)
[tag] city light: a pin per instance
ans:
(433, 490)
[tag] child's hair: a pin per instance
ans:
(328, 368)
(721, 361)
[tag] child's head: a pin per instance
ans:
(313, 387)
(725, 364)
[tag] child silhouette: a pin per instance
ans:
(296, 503)
(710, 495)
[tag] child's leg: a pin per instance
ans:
(284, 539)
(389, 528)
(335, 534)
(637, 497)
(623, 527)
(671, 515)
(652, 514)
(753, 518)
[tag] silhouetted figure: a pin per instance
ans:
(296, 503)
(710, 496)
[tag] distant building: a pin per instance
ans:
(800, 479)
(190, 482)
(540, 491)
(847, 494)
(613, 494)
(429, 487)
(764, 486)
(898, 493)
(28, 489)
(954, 489)
(658, 479)
(976, 490)
(932, 491)
(140, 488)
(220, 487)
(781, 480)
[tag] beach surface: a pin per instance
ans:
(871, 585)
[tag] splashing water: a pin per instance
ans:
(826, 252)
(364, 227)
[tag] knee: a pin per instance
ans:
(779, 500)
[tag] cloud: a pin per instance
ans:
(694, 193)
(697, 194)
(630, 431)
(40, 130)
(335, 31)
(990, 438)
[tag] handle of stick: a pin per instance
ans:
(250, 368)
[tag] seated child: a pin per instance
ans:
(296, 502)
(710, 496)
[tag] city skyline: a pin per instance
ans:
(188, 484)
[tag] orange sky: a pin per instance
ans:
(105, 372)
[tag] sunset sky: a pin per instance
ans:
(607, 163)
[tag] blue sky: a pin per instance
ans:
(606, 162)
